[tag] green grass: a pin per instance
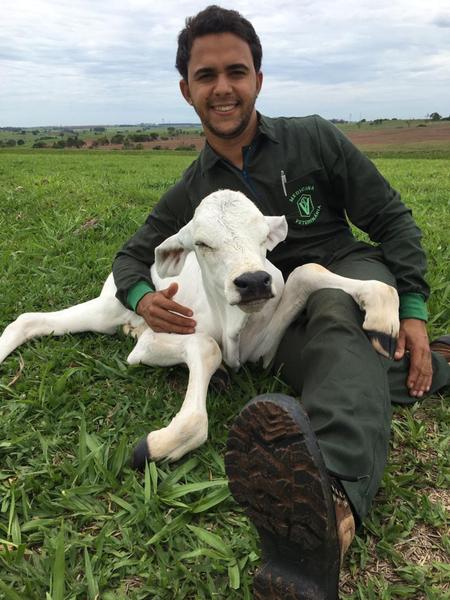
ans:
(75, 521)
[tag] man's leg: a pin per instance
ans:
(344, 386)
(328, 360)
(326, 357)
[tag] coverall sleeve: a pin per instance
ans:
(133, 261)
(376, 208)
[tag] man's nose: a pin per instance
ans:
(223, 85)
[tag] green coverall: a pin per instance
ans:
(306, 169)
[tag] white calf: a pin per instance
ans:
(240, 302)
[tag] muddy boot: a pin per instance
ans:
(277, 474)
(345, 521)
(442, 346)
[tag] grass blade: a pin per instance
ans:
(210, 500)
(178, 523)
(153, 476)
(147, 484)
(91, 582)
(212, 540)
(180, 472)
(59, 567)
(181, 490)
(9, 593)
(234, 576)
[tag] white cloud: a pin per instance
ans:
(86, 61)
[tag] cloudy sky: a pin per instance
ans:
(81, 62)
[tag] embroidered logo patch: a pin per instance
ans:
(303, 199)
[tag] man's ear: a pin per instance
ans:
(259, 82)
(278, 230)
(184, 88)
(171, 254)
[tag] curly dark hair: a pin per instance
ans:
(215, 19)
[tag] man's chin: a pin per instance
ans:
(228, 131)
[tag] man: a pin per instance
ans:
(304, 482)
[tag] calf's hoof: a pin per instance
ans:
(276, 472)
(383, 343)
(141, 455)
(220, 379)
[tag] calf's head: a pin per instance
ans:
(230, 238)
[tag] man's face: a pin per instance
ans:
(222, 85)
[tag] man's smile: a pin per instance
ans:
(223, 108)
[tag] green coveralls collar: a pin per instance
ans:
(209, 157)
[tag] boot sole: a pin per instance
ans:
(277, 474)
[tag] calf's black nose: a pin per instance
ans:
(256, 285)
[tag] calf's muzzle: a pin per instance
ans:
(254, 286)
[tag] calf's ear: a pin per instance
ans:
(171, 254)
(277, 231)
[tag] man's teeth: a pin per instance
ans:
(224, 108)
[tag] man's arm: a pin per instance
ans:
(376, 208)
(131, 267)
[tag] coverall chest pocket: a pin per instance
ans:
(306, 198)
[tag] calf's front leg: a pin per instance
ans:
(378, 300)
(189, 428)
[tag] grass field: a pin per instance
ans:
(395, 138)
(75, 521)
(17, 138)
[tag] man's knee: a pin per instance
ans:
(333, 305)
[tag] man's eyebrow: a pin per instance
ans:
(210, 70)
(204, 71)
(235, 66)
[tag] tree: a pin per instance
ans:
(75, 142)
(435, 116)
(139, 137)
(118, 138)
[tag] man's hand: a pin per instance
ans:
(413, 337)
(158, 310)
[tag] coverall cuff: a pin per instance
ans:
(137, 292)
(413, 306)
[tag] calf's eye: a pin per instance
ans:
(203, 245)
